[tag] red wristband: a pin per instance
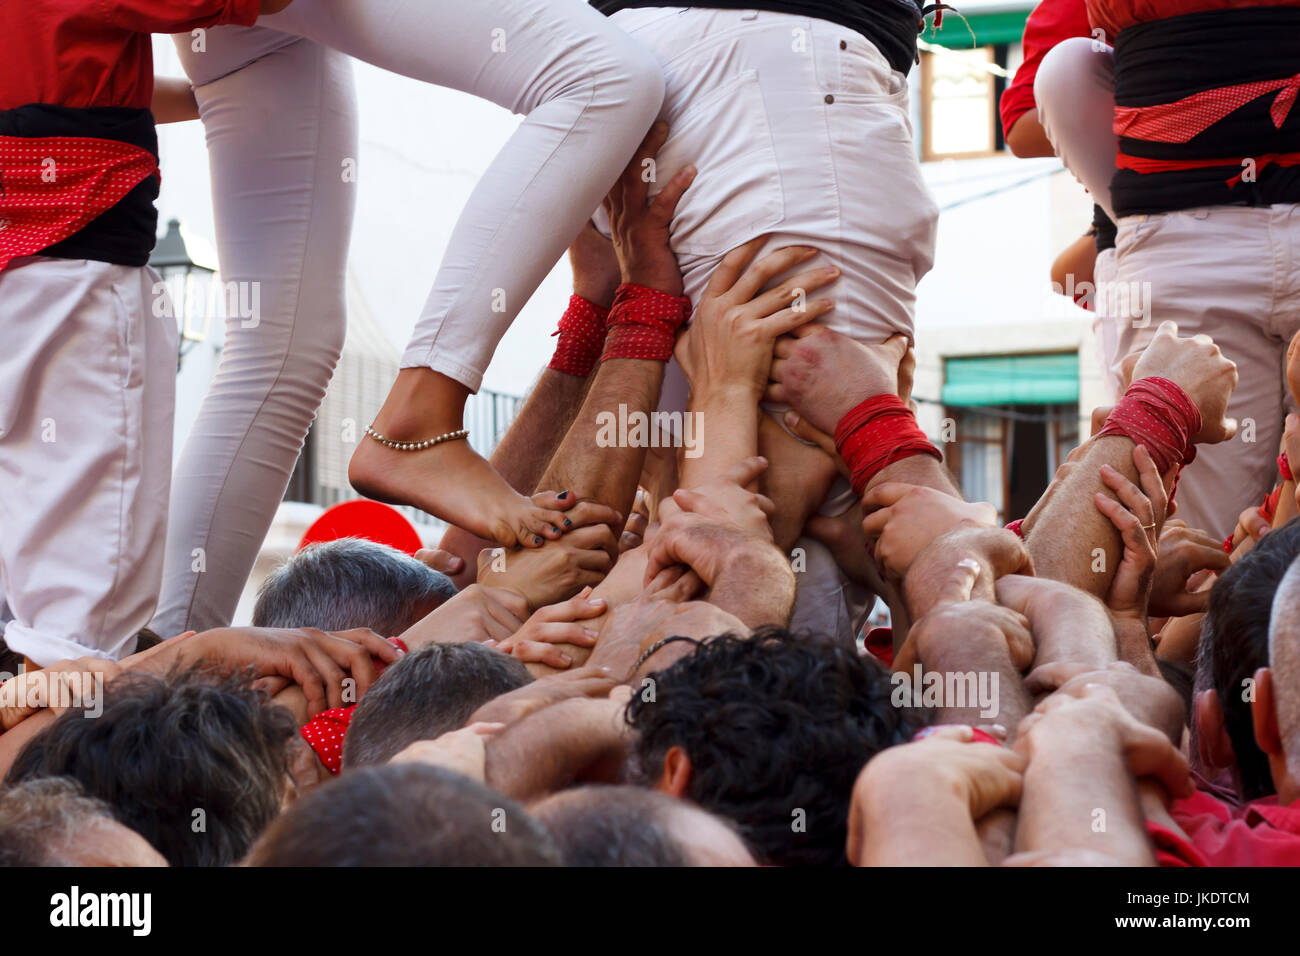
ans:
(643, 323)
(879, 432)
(581, 337)
(1157, 414)
(1284, 467)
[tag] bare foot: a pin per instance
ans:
(453, 482)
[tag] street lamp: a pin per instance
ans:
(188, 284)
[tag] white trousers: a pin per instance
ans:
(799, 128)
(1229, 272)
(279, 114)
(87, 389)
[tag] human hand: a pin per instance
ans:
(1095, 720)
(442, 561)
(317, 661)
(824, 374)
(554, 572)
(958, 629)
(1183, 559)
(1137, 515)
(727, 348)
(462, 751)
(998, 551)
(902, 519)
(969, 777)
(589, 681)
(1150, 699)
(1199, 368)
(537, 641)
(640, 225)
(476, 614)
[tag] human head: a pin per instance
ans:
(1234, 644)
(425, 694)
(1276, 709)
(50, 821)
(635, 826)
(405, 814)
(196, 762)
(770, 732)
(350, 582)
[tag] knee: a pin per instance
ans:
(620, 73)
(1063, 72)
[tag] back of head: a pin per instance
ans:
(405, 815)
(197, 762)
(634, 826)
(41, 820)
(612, 826)
(1234, 644)
(350, 582)
(1284, 665)
(425, 694)
(776, 729)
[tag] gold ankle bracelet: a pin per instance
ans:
(416, 445)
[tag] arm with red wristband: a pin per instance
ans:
(1178, 398)
(640, 331)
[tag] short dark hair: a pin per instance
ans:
(425, 694)
(613, 826)
(405, 814)
(166, 747)
(1234, 644)
(350, 582)
(42, 818)
(773, 724)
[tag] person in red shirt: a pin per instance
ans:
(1202, 830)
(87, 375)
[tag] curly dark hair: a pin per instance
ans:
(773, 724)
(166, 747)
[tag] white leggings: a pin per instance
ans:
(279, 113)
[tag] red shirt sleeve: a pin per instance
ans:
(1050, 22)
(179, 16)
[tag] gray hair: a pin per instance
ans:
(425, 694)
(350, 582)
(41, 818)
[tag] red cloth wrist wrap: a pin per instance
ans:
(643, 323)
(581, 337)
(1157, 414)
(1284, 467)
(879, 432)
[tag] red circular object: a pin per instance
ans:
(371, 520)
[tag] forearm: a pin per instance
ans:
(173, 100)
(1082, 800)
(986, 687)
(1069, 539)
(600, 459)
(552, 748)
(729, 416)
(1133, 645)
(911, 825)
(758, 587)
(918, 470)
(541, 425)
